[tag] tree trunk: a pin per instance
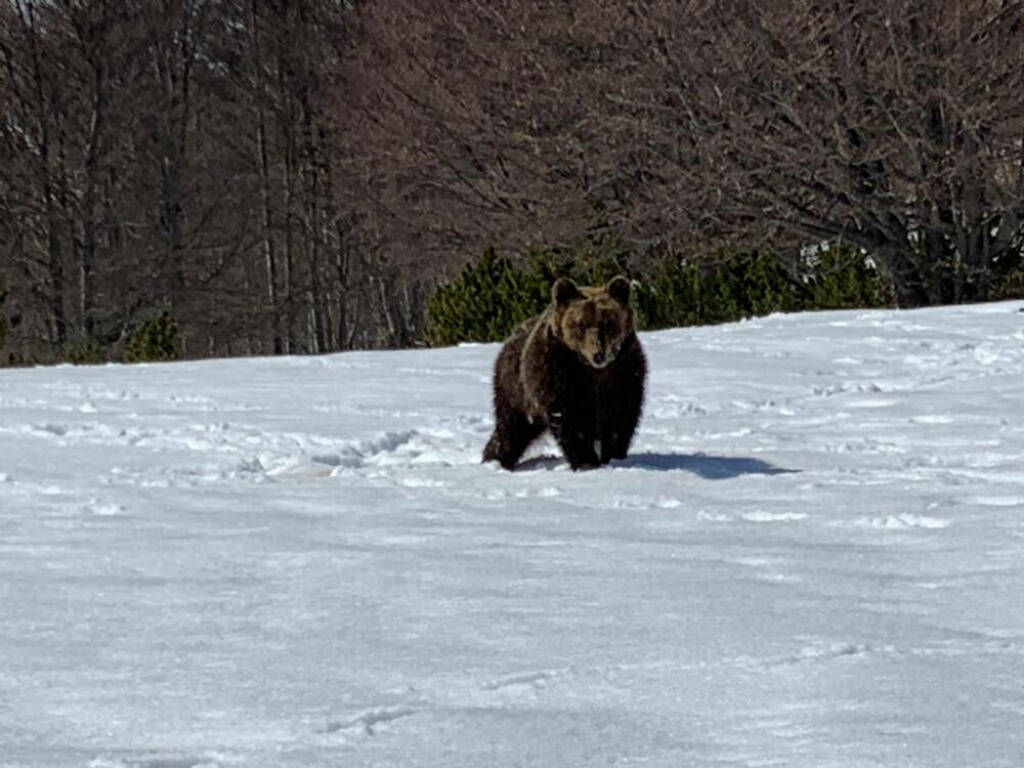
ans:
(263, 168)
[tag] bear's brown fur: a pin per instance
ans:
(578, 370)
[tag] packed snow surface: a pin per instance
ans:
(814, 556)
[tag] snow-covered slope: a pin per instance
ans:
(813, 557)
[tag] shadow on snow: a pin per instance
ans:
(701, 464)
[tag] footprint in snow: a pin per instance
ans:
(811, 654)
(104, 509)
(536, 680)
(903, 522)
(760, 516)
(368, 720)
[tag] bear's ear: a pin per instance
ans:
(564, 290)
(618, 289)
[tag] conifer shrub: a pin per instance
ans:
(84, 351)
(843, 278)
(729, 286)
(483, 303)
(491, 296)
(1009, 286)
(1007, 278)
(750, 283)
(156, 340)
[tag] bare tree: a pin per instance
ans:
(33, 180)
(893, 124)
(181, 155)
(896, 126)
(471, 125)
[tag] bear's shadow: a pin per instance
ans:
(701, 464)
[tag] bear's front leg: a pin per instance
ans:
(621, 401)
(614, 447)
(513, 433)
(575, 439)
(617, 432)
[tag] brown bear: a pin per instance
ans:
(576, 369)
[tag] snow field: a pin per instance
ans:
(814, 556)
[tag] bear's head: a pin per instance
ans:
(593, 321)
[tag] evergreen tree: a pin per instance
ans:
(155, 341)
(491, 296)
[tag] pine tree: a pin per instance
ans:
(154, 341)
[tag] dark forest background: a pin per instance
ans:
(234, 177)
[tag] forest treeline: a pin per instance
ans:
(183, 156)
(294, 176)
